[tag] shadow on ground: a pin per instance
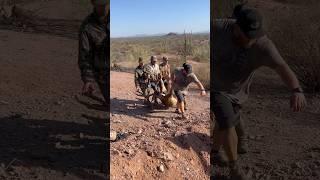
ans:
(134, 108)
(198, 142)
(66, 147)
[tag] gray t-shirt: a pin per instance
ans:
(182, 81)
(234, 67)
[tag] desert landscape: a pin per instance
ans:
(283, 144)
(48, 130)
(156, 144)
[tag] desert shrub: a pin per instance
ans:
(124, 51)
(136, 51)
(203, 73)
(201, 53)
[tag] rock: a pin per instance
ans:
(167, 124)
(312, 155)
(258, 137)
(150, 153)
(161, 168)
(58, 145)
(116, 152)
(4, 103)
(250, 173)
(296, 165)
(59, 103)
(81, 135)
(317, 163)
(168, 156)
(139, 131)
(129, 151)
(316, 173)
(113, 135)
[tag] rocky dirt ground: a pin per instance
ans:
(282, 144)
(157, 144)
(48, 130)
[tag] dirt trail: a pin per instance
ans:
(46, 133)
(157, 138)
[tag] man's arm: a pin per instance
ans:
(298, 100)
(85, 60)
(274, 60)
(199, 84)
(287, 76)
(171, 81)
(136, 79)
(169, 70)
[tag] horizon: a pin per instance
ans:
(148, 17)
(161, 34)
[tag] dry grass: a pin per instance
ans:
(126, 51)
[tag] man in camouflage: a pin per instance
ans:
(152, 71)
(93, 48)
(165, 71)
(138, 75)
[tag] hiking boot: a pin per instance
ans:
(219, 159)
(237, 174)
(177, 111)
(242, 145)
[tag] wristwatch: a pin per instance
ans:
(297, 90)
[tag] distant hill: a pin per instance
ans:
(171, 34)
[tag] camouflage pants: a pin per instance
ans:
(101, 79)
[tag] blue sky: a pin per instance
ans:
(136, 17)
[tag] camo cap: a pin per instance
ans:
(100, 2)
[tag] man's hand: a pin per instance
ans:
(138, 89)
(88, 88)
(297, 102)
(203, 93)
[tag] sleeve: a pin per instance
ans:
(271, 56)
(85, 59)
(135, 78)
(195, 78)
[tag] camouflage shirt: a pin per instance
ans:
(165, 71)
(138, 76)
(93, 48)
(153, 71)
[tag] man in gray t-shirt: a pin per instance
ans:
(181, 78)
(239, 48)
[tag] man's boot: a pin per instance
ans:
(218, 158)
(236, 172)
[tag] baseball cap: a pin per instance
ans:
(140, 59)
(250, 22)
(153, 58)
(187, 67)
(237, 9)
(100, 2)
